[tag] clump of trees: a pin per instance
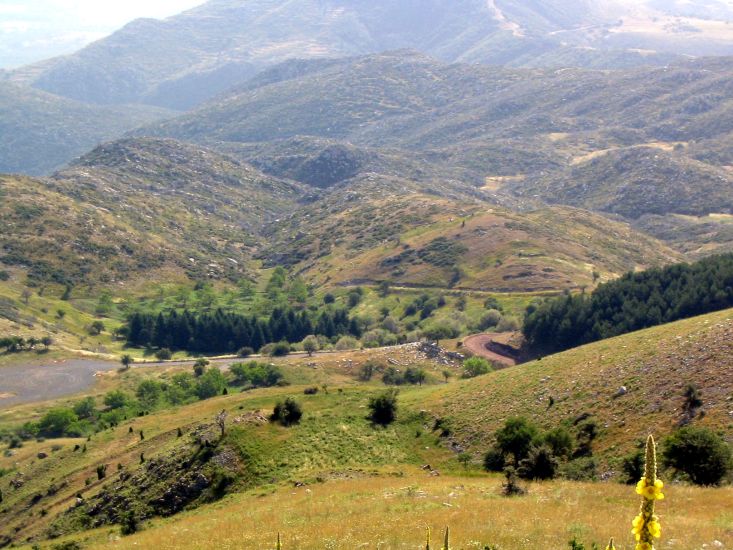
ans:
(411, 375)
(17, 344)
(698, 453)
(222, 332)
(633, 302)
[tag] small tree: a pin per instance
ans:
(700, 453)
(96, 328)
(47, 342)
(539, 464)
(383, 408)
(101, 471)
(126, 361)
(199, 367)
(310, 345)
(116, 399)
(517, 437)
(447, 374)
(221, 420)
(476, 366)
(287, 413)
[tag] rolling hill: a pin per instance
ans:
(131, 208)
(42, 132)
(335, 450)
(203, 51)
(418, 240)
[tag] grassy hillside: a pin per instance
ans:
(428, 241)
(42, 132)
(134, 207)
(369, 476)
(654, 366)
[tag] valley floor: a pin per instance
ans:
(392, 511)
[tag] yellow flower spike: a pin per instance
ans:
(610, 545)
(279, 543)
(427, 544)
(446, 545)
(646, 526)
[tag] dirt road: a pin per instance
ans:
(478, 344)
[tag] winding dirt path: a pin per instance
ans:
(478, 344)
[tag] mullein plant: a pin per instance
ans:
(646, 525)
(279, 543)
(446, 544)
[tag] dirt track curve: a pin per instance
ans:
(478, 344)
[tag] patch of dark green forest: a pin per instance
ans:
(222, 332)
(633, 302)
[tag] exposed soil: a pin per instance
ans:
(493, 346)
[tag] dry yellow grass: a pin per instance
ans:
(389, 512)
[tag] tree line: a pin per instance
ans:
(633, 302)
(223, 332)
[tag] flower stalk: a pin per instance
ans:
(646, 525)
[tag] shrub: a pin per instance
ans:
(346, 343)
(415, 376)
(163, 354)
(96, 328)
(211, 384)
(281, 349)
(4, 275)
(560, 441)
(700, 453)
(517, 437)
(633, 467)
(580, 469)
(311, 345)
(539, 464)
(490, 320)
(367, 370)
(494, 460)
(258, 375)
(128, 523)
(57, 422)
(287, 413)
(246, 351)
(85, 408)
(149, 393)
(199, 367)
(393, 377)
(383, 408)
(476, 366)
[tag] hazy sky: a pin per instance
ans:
(31, 30)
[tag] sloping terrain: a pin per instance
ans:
(186, 59)
(42, 132)
(638, 181)
(653, 366)
(420, 240)
(132, 207)
(335, 451)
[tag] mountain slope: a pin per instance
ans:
(186, 59)
(359, 233)
(41, 132)
(131, 208)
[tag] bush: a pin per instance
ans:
(85, 408)
(246, 351)
(476, 366)
(367, 370)
(258, 375)
(281, 349)
(560, 442)
(494, 460)
(287, 413)
(490, 320)
(211, 384)
(57, 422)
(392, 377)
(310, 345)
(163, 354)
(517, 437)
(539, 464)
(700, 453)
(633, 467)
(346, 343)
(580, 469)
(383, 408)
(199, 367)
